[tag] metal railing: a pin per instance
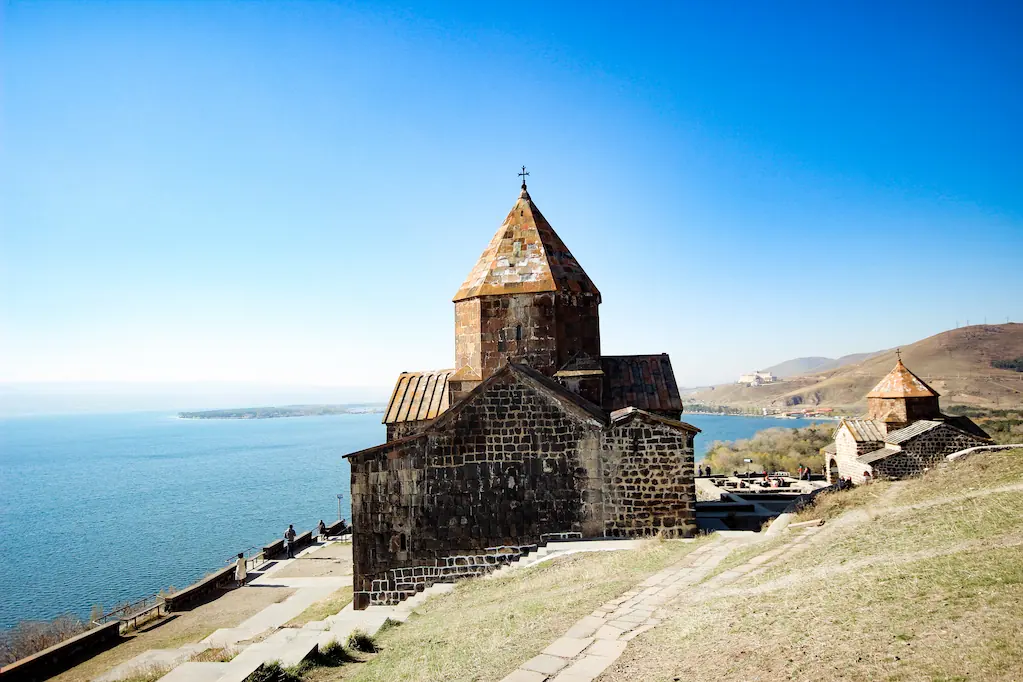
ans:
(132, 613)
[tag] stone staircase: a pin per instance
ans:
(292, 646)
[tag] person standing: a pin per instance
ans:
(289, 541)
(321, 530)
(239, 569)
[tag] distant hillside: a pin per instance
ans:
(791, 368)
(957, 363)
(283, 411)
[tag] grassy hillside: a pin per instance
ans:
(920, 580)
(957, 363)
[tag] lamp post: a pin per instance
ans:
(339, 496)
(748, 462)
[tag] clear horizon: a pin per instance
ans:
(289, 194)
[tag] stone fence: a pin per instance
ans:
(276, 548)
(199, 592)
(45, 664)
(983, 448)
(334, 529)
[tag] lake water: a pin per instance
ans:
(99, 509)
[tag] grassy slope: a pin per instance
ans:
(957, 363)
(929, 587)
(323, 608)
(485, 628)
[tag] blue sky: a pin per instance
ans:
(291, 193)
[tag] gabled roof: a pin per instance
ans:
(624, 415)
(865, 430)
(525, 256)
(911, 431)
(901, 383)
(418, 396)
(572, 402)
(646, 382)
(880, 453)
(966, 424)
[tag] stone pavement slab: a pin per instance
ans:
(196, 672)
(568, 647)
(545, 663)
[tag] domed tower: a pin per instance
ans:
(528, 301)
(902, 398)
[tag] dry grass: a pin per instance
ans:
(192, 626)
(946, 618)
(321, 609)
(485, 628)
(216, 655)
(926, 592)
(983, 470)
(830, 505)
(149, 673)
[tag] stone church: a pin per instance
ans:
(903, 435)
(533, 435)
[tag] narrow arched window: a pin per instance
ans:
(518, 332)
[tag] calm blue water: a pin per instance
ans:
(98, 509)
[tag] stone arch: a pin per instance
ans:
(833, 474)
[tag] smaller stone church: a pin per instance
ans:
(533, 434)
(903, 435)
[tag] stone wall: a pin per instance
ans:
(542, 330)
(467, 335)
(502, 473)
(648, 485)
(53, 660)
(498, 474)
(398, 430)
(925, 451)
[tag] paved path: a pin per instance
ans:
(590, 646)
(595, 641)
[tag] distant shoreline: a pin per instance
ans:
(760, 416)
(284, 412)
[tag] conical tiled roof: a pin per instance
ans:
(901, 383)
(525, 256)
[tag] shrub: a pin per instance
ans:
(31, 636)
(358, 640)
(333, 655)
(774, 449)
(273, 672)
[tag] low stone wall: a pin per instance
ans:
(334, 529)
(59, 657)
(200, 591)
(303, 540)
(401, 583)
(274, 549)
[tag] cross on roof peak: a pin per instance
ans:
(523, 175)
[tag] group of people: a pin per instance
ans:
(703, 470)
(240, 566)
(803, 473)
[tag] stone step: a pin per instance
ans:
(196, 672)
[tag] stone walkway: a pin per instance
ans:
(590, 646)
(308, 591)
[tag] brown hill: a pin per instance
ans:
(956, 363)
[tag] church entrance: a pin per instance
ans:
(832, 471)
